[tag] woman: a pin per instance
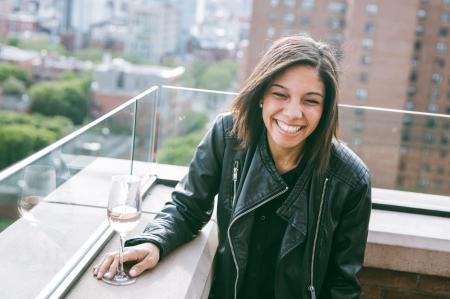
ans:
(293, 202)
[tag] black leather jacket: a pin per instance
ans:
(323, 246)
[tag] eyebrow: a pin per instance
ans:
(309, 93)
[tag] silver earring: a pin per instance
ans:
(260, 105)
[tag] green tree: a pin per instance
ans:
(22, 134)
(65, 98)
(20, 141)
(8, 70)
(13, 86)
(179, 150)
(218, 76)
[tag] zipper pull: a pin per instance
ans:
(235, 170)
(312, 290)
(235, 177)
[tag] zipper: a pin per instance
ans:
(235, 178)
(234, 220)
(311, 287)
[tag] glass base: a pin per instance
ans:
(120, 280)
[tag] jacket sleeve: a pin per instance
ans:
(192, 201)
(349, 242)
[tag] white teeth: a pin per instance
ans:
(287, 128)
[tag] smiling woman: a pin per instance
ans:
(293, 202)
(292, 106)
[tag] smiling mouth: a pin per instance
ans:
(290, 129)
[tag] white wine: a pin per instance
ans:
(123, 218)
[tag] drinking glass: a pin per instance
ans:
(38, 182)
(124, 212)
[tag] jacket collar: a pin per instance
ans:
(263, 182)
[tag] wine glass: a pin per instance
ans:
(38, 182)
(124, 212)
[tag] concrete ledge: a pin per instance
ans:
(409, 242)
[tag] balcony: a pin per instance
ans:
(47, 249)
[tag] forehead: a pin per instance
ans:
(299, 76)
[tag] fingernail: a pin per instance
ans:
(95, 271)
(99, 275)
(133, 272)
(108, 275)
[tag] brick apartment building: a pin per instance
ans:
(394, 54)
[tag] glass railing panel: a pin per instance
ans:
(53, 203)
(404, 150)
(144, 135)
(183, 117)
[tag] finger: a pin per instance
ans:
(104, 266)
(113, 268)
(148, 262)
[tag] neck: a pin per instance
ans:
(286, 159)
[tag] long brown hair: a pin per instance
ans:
(283, 54)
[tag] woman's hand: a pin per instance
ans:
(146, 255)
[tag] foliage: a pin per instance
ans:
(4, 223)
(8, 70)
(37, 44)
(66, 98)
(217, 76)
(21, 134)
(180, 150)
(20, 141)
(13, 86)
(59, 125)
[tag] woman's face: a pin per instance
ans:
(292, 107)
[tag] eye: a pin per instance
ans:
(279, 95)
(312, 102)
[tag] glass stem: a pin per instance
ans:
(121, 271)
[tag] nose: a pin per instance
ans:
(294, 109)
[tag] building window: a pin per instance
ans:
(305, 20)
(289, 19)
(448, 110)
(274, 3)
(407, 120)
(355, 142)
(435, 94)
(409, 105)
(337, 7)
(433, 108)
(289, 3)
(367, 43)
(361, 94)
(420, 29)
(436, 78)
(359, 111)
(363, 77)
(372, 9)
(366, 60)
(417, 45)
(421, 14)
(308, 4)
(120, 80)
(411, 90)
(413, 76)
(439, 62)
(446, 2)
(445, 17)
(431, 123)
(443, 31)
(336, 23)
(444, 140)
(369, 28)
(405, 136)
(358, 127)
(428, 138)
(270, 32)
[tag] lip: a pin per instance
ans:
(302, 127)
